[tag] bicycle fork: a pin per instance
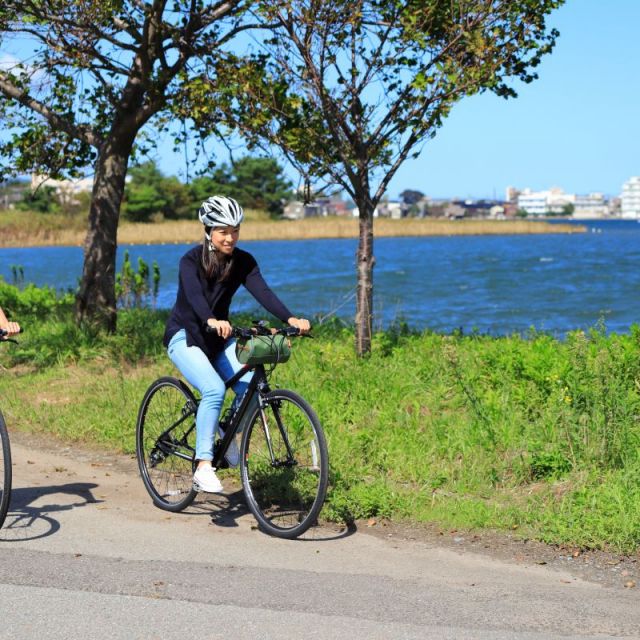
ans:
(290, 461)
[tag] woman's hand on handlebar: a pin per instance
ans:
(221, 327)
(10, 329)
(302, 324)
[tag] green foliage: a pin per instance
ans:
(470, 431)
(142, 202)
(55, 340)
(568, 209)
(31, 300)
(255, 182)
(17, 272)
(60, 126)
(548, 464)
(150, 195)
(315, 88)
(132, 286)
(259, 183)
(42, 200)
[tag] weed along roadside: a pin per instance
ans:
(534, 436)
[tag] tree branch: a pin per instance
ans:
(334, 119)
(81, 132)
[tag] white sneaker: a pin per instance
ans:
(232, 456)
(205, 479)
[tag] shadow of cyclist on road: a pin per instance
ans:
(225, 510)
(29, 520)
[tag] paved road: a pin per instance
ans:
(86, 555)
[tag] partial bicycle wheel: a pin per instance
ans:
(5, 471)
(284, 465)
(165, 443)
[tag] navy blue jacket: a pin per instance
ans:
(200, 298)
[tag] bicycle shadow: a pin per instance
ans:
(225, 510)
(27, 520)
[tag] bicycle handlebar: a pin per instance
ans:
(261, 329)
(247, 332)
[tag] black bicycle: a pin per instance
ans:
(5, 458)
(284, 462)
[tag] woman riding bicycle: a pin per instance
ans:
(12, 328)
(198, 335)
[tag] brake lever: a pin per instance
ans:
(294, 331)
(4, 333)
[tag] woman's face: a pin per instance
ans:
(224, 239)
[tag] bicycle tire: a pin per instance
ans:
(285, 496)
(167, 465)
(5, 471)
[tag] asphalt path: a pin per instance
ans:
(85, 554)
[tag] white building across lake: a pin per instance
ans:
(630, 199)
(555, 201)
(540, 203)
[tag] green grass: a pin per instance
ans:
(533, 435)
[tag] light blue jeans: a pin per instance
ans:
(209, 381)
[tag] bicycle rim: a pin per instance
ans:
(285, 486)
(165, 443)
(5, 471)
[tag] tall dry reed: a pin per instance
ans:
(184, 231)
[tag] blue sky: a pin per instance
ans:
(576, 127)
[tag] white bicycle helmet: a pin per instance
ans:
(220, 211)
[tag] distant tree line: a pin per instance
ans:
(256, 182)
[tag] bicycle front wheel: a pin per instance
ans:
(165, 443)
(5, 471)
(284, 465)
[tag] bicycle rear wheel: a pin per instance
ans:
(165, 443)
(5, 471)
(284, 465)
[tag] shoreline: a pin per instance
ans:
(184, 232)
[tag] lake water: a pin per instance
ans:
(492, 284)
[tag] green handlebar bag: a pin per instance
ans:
(263, 349)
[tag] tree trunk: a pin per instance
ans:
(96, 298)
(364, 275)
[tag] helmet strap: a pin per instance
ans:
(210, 246)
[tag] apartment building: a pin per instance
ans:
(592, 205)
(540, 203)
(556, 201)
(630, 198)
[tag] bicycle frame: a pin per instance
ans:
(257, 385)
